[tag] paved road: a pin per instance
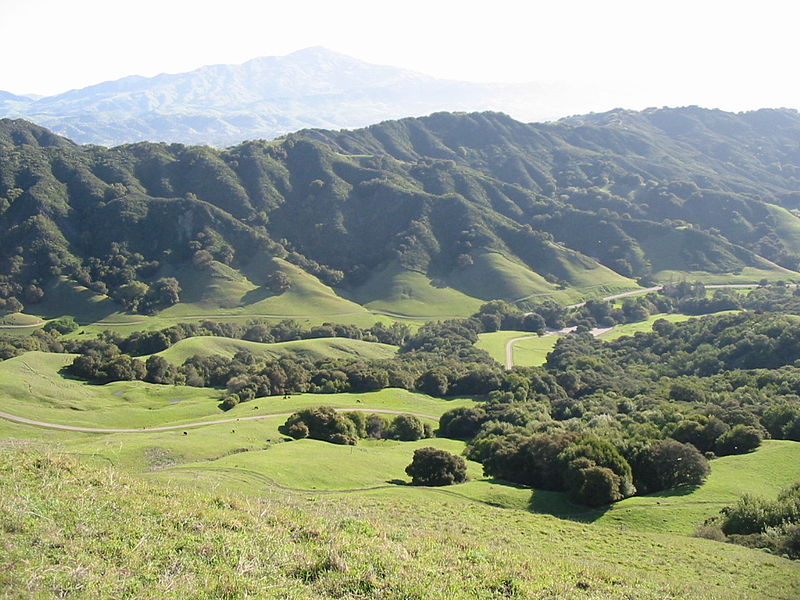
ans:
(510, 349)
(510, 343)
(710, 286)
(25, 421)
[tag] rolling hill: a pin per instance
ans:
(422, 217)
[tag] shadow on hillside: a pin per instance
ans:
(257, 295)
(558, 505)
(684, 490)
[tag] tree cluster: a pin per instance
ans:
(346, 427)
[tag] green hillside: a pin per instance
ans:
(395, 290)
(423, 217)
(529, 349)
(372, 546)
(314, 349)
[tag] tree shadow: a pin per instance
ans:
(257, 295)
(684, 490)
(397, 482)
(558, 505)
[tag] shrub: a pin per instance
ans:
(62, 325)
(738, 440)
(229, 402)
(601, 453)
(598, 486)
(667, 464)
(406, 428)
(461, 423)
(376, 426)
(431, 466)
(321, 423)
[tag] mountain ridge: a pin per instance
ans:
(441, 211)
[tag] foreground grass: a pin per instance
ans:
(79, 532)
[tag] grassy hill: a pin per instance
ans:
(196, 544)
(419, 217)
(313, 349)
(396, 290)
(221, 290)
(352, 498)
(31, 386)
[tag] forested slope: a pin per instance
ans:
(443, 211)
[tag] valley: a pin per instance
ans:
(597, 316)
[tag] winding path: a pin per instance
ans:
(25, 421)
(510, 349)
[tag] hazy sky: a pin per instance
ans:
(727, 54)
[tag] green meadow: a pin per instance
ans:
(530, 351)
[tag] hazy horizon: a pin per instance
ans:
(712, 54)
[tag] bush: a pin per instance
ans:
(62, 325)
(600, 453)
(669, 464)
(598, 486)
(229, 402)
(376, 426)
(406, 428)
(461, 423)
(738, 440)
(321, 423)
(431, 466)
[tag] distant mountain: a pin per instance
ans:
(9, 97)
(423, 216)
(266, 97)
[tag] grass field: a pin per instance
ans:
(355, 496)
(647, 324)
(392, 543)
(747, 275)
(32, 386)
(528, 352)
(313, 349)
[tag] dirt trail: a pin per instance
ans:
(25, 421)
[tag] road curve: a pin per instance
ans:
(510, 349)
(25, 421)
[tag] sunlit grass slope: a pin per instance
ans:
(222, 290)
(528, 352)
(397, 290)
(492, 275)
(31, 386)
(74, 531)
(313, 349)
(787, 225)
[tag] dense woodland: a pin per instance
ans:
(430, 194)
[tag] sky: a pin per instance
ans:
(732, 55)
